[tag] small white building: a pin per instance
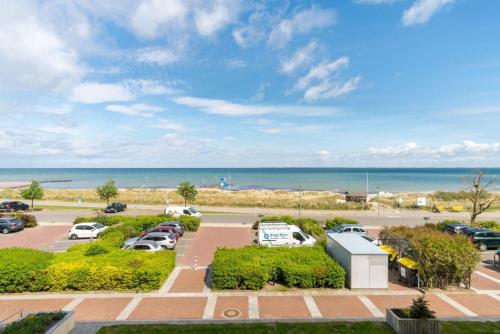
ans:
(365, 264)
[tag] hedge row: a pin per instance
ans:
(84, 267)
(252, 267)
(141, 223)
(28, 220)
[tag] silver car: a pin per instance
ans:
(349, 228)
(148, 246)
(164, 239)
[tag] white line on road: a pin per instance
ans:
(456, 305)
(253, 307)
(209, 312)
(491, 278)
(127, 311)
(74, 303)
(371, 307)
(312, 307)
(494, 296)
(170, 281)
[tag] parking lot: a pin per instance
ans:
(45, 237)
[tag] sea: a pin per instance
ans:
(333, 179)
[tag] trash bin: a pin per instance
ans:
(392, 256)
(408, 271)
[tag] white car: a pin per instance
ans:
(281, 234)
(176, 211)
(86, 230)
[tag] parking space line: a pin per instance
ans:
(209, 311)
(491, 278)
(312, 307)
(253, 307)
(170, 281)
(125, 313)
(371, 307)
(74, 303)
(494, 296)
(456, 305)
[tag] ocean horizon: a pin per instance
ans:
(290, 178)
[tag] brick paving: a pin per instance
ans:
(482, 305)
(162, 308)
(442, 308)
(283, 307)
(382, 302)
(190, 280)
(234, 308)
(495, 273)
(207, 240)
(92, 309)
(36, 237)
(482, 283)
(341, 306)
(8, 307)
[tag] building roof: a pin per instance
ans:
(355, 244)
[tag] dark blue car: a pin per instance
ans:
(9, 224)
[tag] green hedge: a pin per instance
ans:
(37, 323)
(84, 267)
(141, 223)
(251, 267)
(308, 225)
(28, 220)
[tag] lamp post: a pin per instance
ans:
(378, 201)
(142, 188)
(300, 201)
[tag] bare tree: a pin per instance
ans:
(479, 195)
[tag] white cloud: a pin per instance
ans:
(155, 56)
(61, 109)
(32, 54)
(302, 22)
(216, 17)
(422, 10)
(321, 71)
(94, 92)
(329, 90)
(300, 58)
(138, 109)
(153, 17)
(255, 30)
(151, 87)
(226, 108)
(394, 151)
(165, 124)
(235, 63)
(260, 94)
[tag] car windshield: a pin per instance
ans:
(171, 237)
(337, 228)
(193, 210)
(98, 226)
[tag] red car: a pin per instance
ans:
(168, 229)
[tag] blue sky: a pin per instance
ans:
(247, 84)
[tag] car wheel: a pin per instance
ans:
(5, 231)
(73, 237)
(483, 247)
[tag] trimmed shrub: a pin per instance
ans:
(308, 225)
(115, 236)
(28, 220)
(96, 249)
(335, 221)
(252, 267)
(36, 323)
(441, 225)
(493, 225)
(191, 224)
(22, 269)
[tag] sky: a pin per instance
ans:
(215, 83)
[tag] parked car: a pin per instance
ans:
(176, 225)
(115, 207)
(349, 228)
(167, 229)
(485, 239)
(177, 211)
(147, 245)
(164, 239)
(456, 228)
(86, 230)
(12, 206)
(10, 224)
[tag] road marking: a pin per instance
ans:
(253, 307)
(209, 312)
(170, 281)
(312, 307)
(74, 303)
(494, 296)
(125, 313)
(371, 307)
(491, 278)
(456, 305)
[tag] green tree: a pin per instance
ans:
(479, 195)
(187, 191)
(35, 191)
(107, 190)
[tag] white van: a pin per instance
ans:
(282, 234)
(177, 211)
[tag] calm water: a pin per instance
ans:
(350, 179)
